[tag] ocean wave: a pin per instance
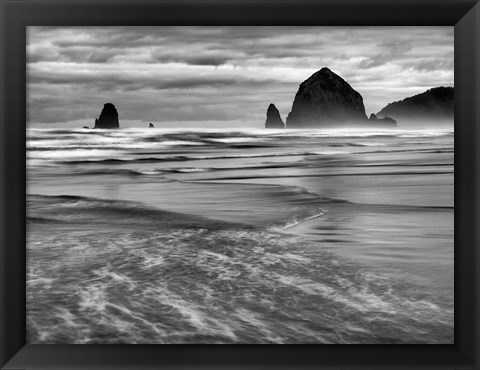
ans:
(234, 140)
(181, 142)
(410, 150)
(320, 175)
(43, 220)
(195, 157)
(295, 221)
(162, 171)
(81, 209)
(157, 172)
(72, 155)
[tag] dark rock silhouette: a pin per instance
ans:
(381, 122)
(85, 127)
(273, 118)
(434, 104)
(326, 100)
(108, 118)
(151, 125)
(387, 119)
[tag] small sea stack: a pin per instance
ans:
(108, 117)
(150, 125)
(382, 122)
(273, 118)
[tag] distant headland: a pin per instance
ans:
(434, 104)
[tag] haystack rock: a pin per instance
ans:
(273, 118)
(326, 100)
(108, 118)
(151, 125)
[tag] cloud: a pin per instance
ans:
(222, 73)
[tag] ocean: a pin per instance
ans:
(240, 236)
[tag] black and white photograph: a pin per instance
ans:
(240, 185)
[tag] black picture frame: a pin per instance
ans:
(17, 14)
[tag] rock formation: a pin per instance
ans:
(108, 118)
(432, 105)
(150, 125)
(273, 118)
(381, 122)
(326, 100)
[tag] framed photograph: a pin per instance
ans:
(242, 172)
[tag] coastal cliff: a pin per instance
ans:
(434, 104)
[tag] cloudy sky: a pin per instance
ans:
(220, 76)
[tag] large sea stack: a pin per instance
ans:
(273, 118)
(108, 118)
(326, 100)
(436, 104)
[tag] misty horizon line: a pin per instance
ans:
(250, 123)
(221, 125)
